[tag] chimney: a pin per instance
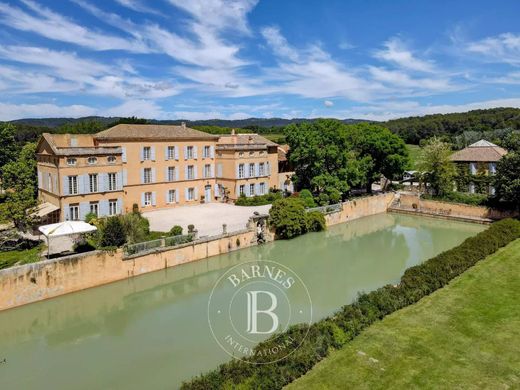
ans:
(183, 125)
(232, 131)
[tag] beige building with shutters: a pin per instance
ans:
(149, 167)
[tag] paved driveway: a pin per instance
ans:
(207, 218)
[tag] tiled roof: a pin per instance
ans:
(282, 152)
(245, 139)
(481, 151)
(77, 145)
(147, 132)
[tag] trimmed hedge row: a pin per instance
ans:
(334, 331)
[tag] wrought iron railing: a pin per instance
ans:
(140, 247)
(331, 208)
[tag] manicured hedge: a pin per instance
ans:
(338, 329)
(258, 200)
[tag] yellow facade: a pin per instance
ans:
(151, 167)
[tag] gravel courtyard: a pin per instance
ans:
(207, 218)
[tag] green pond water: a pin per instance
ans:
(152, 331)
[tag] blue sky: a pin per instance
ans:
(203, 59)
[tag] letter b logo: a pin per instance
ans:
(253, 312)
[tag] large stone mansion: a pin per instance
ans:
(149, 167)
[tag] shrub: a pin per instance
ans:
(135, 227)
(83, 246)
(461, 197)
(307, 198)
(315, 221)
(135, 209)
(90, 217)
(288, 218)
(258, 200)
(350, 320)
(113, 233)
(176, 230)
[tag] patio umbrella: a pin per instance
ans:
(66, 228)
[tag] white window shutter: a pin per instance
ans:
(185, 152)
(142, 175)
(196, 193)
(142, 199)
(257, 169)
(176, 151)
(238, 171)
(217, 192)
(186, 194)
(212, 151)
(119, 181)
(119, 206)
(166, 153)
(186, 172)
(166, 174)
(154, 199)
(195, 151)
(195, 173)
(219, 170)
(167, 196)
(177, 196)
(153, 175)
(123, 156)
(212, 171)
(142, 153)
(125, 177)
(66, 212)
(268, 168)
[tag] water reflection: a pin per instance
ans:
(151, 331)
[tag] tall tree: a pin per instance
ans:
(8, 146)
(19, 180)
(323, 158)
(437, 167)
(382, 152)
(507, 178)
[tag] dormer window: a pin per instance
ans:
(92, 160)
(111, 159)
(71, 161)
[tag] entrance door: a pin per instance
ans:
(207, 194)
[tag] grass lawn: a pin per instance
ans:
(464, 336)
(275, 137)
(414, 151)
(8, 259)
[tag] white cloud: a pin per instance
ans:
(396, 52)
(59, 71)
(414, 85)
(44, 110)
(219, 14)
(328, 103)
(137, 5)
(54, 26)
(500, 48)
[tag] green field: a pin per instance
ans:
(279, 138)
(464, 336)
(414, 151)
(8, 259)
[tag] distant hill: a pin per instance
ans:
(414, 129)
(239, 123)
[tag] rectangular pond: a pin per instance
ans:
(152, 331)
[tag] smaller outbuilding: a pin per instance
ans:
(478, 159)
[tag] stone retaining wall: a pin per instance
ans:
(50, 278)
(412, 202)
